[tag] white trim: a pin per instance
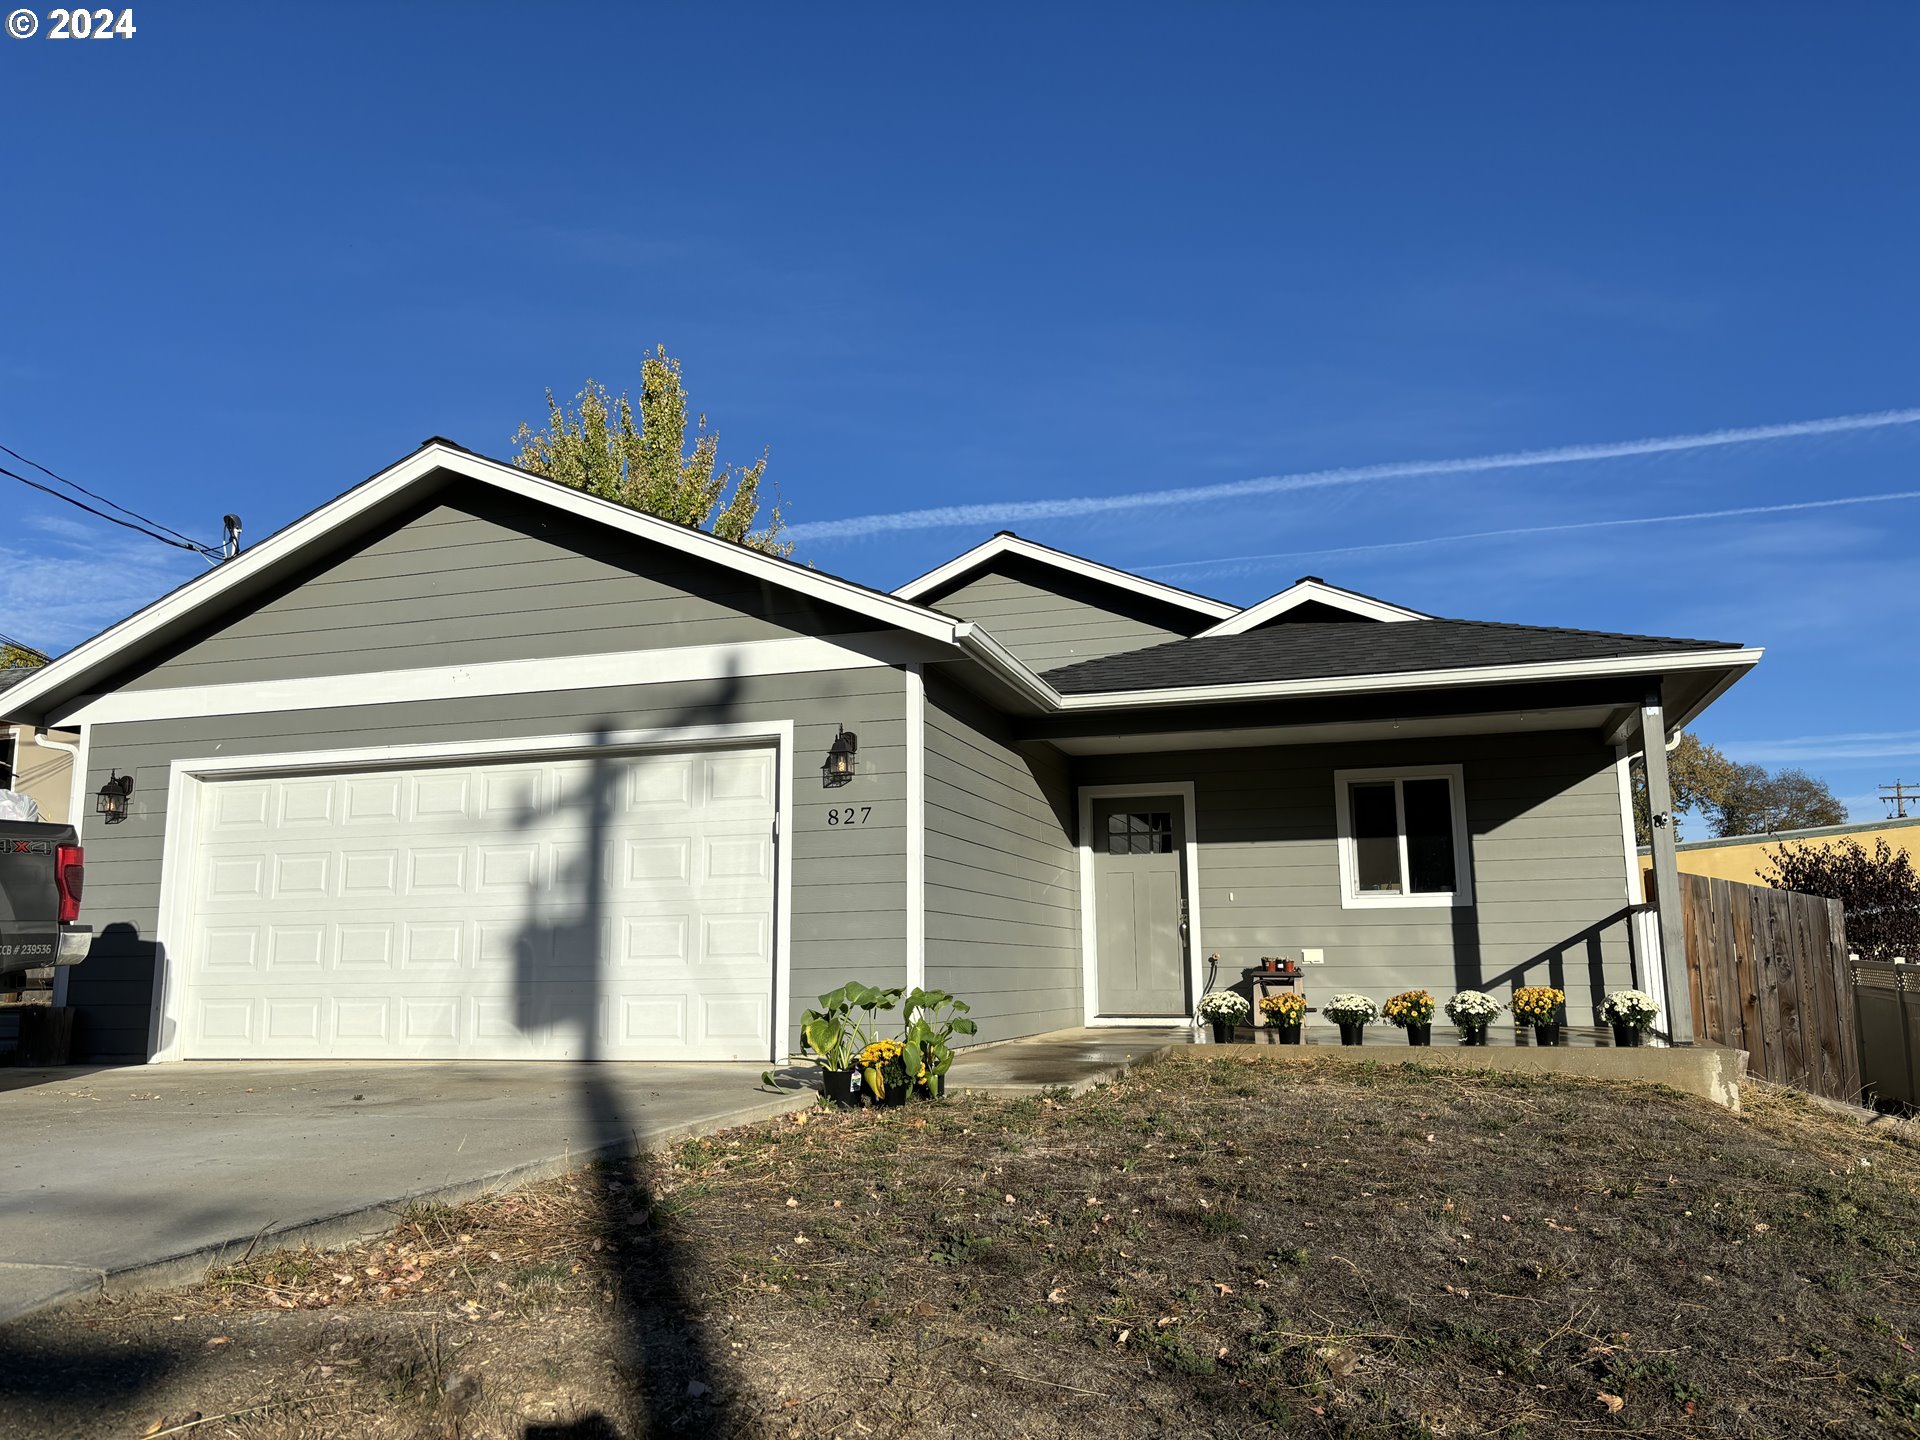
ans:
(1089, 926)
(76, 817)
(290, 542)
(1309, 592)
(990, 550)
(187, 778)
(916, 827)
(1623, 770)
(1351, 898)
(1416, 679)
(500, 677)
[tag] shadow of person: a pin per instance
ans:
(563, 955)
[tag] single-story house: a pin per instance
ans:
(468, 764)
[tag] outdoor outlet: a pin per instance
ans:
(1313, 957)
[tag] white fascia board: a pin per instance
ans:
(990, 550)
(293, 539)
(980, 646)
(1310, 592)
(1737, 660)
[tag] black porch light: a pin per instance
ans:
(841, 762)
(112, 799)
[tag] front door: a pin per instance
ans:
(1140, 905)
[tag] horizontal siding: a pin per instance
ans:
(1002, 891)
(1549, 869)
(1049, 618)
(849, 883)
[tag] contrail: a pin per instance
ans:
(1226, 562)
(1005, 512)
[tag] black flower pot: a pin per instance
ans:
(842, 1087)
(1222, 1032)
(1627, 1036)
(1288, 1034)
(1352, 1032)
(1547, 1034)
(1420, 1034)
(1473, 1035)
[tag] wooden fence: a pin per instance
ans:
(1768, 973)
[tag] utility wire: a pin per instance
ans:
(204, 551)
(75, 484)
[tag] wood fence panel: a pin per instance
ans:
(1747, 973)
(1732, 1012)
(1793, 1051)
(1846, 1019)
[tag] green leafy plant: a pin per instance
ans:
(933, 1018)
(832, 1036)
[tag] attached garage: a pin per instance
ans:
(612, 905)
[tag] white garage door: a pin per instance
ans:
(618, 906)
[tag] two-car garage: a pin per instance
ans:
(608, 904)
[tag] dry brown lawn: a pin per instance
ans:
(1215, 1246)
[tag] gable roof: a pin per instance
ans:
(1323, 650)
(1311, 590)
(982, 556)
(201, 598)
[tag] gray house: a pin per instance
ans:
(469, 764)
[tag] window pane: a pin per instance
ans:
(1140, 833)
(1430, 858)
(1376, 839)
(1116, 835)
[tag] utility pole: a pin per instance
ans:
(1897, 797)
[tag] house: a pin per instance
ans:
(468, 764)
(1747, 858)
(34, 762)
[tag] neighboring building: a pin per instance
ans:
(36, 765)
(1745, 857)
(468, 764)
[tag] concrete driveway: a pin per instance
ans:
(149, 1174)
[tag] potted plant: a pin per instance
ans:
(1352, 1013)
(1412, 1011)
(1472, 1011)
(883, 1066)
(1223, 1009)
(1541, 1006)
(1284, 1011)
(832, 1037)
(1270, 964)
(1632, 1014)
(933, 1018)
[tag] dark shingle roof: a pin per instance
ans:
(12, 675)
(1316, 650)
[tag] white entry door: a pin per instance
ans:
(613, 906)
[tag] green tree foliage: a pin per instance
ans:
(1880, 890)
(15, 656)
(643, 461)
(1756, 801)
(1696, 772)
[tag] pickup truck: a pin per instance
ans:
(42, 872)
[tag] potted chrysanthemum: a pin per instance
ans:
(883, 1065)
(1632, 1014)
(1352, 1013)
(1284, 1011)
(1223, 1009)
(1543, 1007)
(1412, 1011)
(1472, 1011)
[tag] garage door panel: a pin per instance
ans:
(461, 912)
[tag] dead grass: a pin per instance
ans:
(1218, 1246)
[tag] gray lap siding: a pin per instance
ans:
(849, 883)
(1549, 867)
(1002, 890)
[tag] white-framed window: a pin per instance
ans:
(1403, 837)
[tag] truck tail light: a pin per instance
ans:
(70, 874)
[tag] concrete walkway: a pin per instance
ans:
(148, 1175)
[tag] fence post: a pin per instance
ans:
(1666, 872)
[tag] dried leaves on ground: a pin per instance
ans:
(1220, 1245)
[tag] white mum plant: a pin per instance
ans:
(1631, 1007)
(1223, 1007)
(1351, 1010)
(1473, 1009)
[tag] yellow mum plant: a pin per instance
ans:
(1409, 1008)
(1539, 1004)
(1285, 1008)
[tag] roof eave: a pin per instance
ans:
(985, 553)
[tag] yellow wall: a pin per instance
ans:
(1744, 859)
(44, 773)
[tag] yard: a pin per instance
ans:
(1217, 1245)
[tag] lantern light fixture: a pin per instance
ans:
(842, 759)
(112, 799)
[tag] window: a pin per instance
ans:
(1403, 837)
(1142, 833)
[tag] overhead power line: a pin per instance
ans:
(114, 504)
(195, 547)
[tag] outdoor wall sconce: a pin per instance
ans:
(112, 799)
(839, 766)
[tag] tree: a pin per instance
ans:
(1881, 891)
(1754, 801)
(15, 656)
(644, 463)
(1696, 772)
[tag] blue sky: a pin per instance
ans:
(1004, 254)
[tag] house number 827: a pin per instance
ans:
(849, 814)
